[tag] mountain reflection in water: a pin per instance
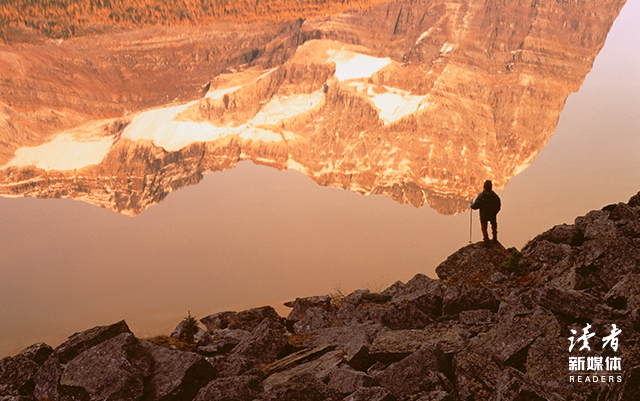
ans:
(418, 101)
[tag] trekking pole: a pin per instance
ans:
(470, 223)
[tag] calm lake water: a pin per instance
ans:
(254, 236)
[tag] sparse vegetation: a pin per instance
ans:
(171, 343)
(516, 263)
(68, 18)
(189, 329)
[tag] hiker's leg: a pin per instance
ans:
(483, 227)
(494, 229)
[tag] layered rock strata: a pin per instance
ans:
(420, 101)
(499, 324)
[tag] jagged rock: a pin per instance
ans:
(576, 304)
(315, 318)
(264, 344)
(437, 395)
(472, 264)
(84, 340)
(38, 352)
(302, 387)
(371, 394)
(16, 375)
(628, 389)
(545, 359)
(423, 292)
(237, 388)
(175, 375)
(223, 341)
(624, 295)
(297, 358)
(231, 366)
(376, 297)
(475, 373)
(319, 368)
(477, 316)
(47, 379)
(346, 381)
(610, 258)
(245, 320)
(424, 370)
(396, 316)
(394, 345)
(513, 385)
(300, 306)
(353, 340)
(596, 224)
(563, 234)
(16, 398)
(113, 369)
(461, 297)
(509, 341)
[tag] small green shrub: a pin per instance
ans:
(189, 329)
(516, 263)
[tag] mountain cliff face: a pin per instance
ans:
(498, 324)
(420, 101)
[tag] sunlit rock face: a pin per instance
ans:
(420, 101)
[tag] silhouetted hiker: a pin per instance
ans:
(489, 204)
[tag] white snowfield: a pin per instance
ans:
(350, 65)
(74, 150)
(65, 152)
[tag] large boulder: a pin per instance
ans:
(245, 320)
(38, 352)
(514, 385)
(422, 292)
(315, 318)
(300, 306)
(424, 370)
(461, 297)
(175, 375)
(115, 369)
(84, 340)
(473, 264)
(264, 344)
(303, 387)
(237, 388)
(16, 375)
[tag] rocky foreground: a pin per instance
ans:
(497, 325)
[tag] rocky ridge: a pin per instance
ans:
(463, 91)
(497, 325)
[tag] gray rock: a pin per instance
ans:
(319, 368)
(223, 341)
(346, 381)
(423, 292)
(315, 318)
(264, 344)
(461, 297)
(371, 394)
(231, 366)
(424, 370)
(300, 306)
(396, 316)
(303, 387)
(113, 369)
(437, 395)
(596, 224)
(625, 295)
(394, 345)
(509, 341)
(478, 316)
(563, 234)
(513, 385)
(16, 398)
(473, 264)
(16, 375)
(238, 388)
(245, 320)
(47, 379)
(475, 373)
(353, 340)
(297, 358)
(84, 340)
(175, 375)
(577, 304)
(38, 352)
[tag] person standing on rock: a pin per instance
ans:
(489, 204)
